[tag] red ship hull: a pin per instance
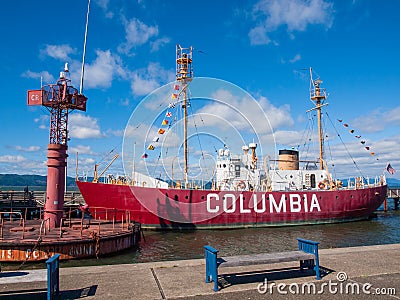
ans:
(178, 208)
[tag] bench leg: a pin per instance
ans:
(309, 264)
(215, 278)
(316, 269)
(208, 275)
(212, 269)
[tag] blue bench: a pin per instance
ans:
(53, 276)
(307, 254)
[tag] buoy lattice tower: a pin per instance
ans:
(60, 99)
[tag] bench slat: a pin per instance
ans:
(307, 254)
(263, 258)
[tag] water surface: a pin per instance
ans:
(170, 245)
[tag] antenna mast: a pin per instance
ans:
(184, 75)
(318, 95)
(84, 49)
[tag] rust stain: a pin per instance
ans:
(88, 239)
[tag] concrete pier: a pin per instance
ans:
(371, 270)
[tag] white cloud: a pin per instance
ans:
(124, 102)
(378, 120)
(157, 44)
(253, 114)
(288, 138)
(23, 166)
(393, 115)
(147, 80)
(43, 121)
(85, 166)
(98, 74)
(117, 132)
(60, 52)
(297, 57)
(83, 127)
(102, 71)
(27, 149)
(142, 86)
(44, 75)
(104, 6)
(137, 33)
(81, 149)
(295, 15)
(12, 159)
(258, 36)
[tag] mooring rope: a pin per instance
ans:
(37, 244)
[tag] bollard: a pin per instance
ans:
(53, 284)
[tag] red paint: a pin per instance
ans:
(56, 163)
(176, 208)
(35, 97)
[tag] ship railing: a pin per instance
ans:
(11, 216)
(195, 185)
(43, 226)
(101, 215)
(109, 214)
(393, 193)
(33, 198)
(364, 182)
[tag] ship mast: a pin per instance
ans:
(318, 95)
(184, 75)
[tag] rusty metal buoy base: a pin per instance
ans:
(30, 240)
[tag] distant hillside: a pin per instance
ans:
(28, 180)
(393, 182)
(14, 180)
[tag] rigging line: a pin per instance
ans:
(347, 150)
(304, 133)
(168, 97)
(190, 97)
(197, 133)
(306, 145)
(156, 166)
(330, 150)
(111, 151)
(307, 142)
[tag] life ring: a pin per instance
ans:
(241, 184)
(321, 185)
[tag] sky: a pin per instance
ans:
(256, 55)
